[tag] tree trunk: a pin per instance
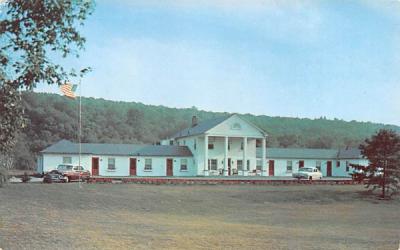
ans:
(384, 179)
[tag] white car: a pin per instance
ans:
(308, 173)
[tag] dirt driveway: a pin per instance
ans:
(131, 216)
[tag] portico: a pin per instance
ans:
(233, 155)
(225, 146)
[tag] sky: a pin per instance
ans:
(338, 59)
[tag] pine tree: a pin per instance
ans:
(383, 152)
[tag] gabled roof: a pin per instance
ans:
(301, 153)
(201, 127)
(68, 147)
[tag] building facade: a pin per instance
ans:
(226, 146)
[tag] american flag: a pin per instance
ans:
(68, 90)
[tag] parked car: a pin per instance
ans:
(308, 173)
(364, 173)
(74, 173)
(54, 176)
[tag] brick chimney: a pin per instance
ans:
(194, 121)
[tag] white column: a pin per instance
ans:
(206, 173)
(245, 171)
(264, 160)
(226, 156)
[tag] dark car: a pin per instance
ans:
(54, 176)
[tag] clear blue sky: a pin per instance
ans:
(279, 58)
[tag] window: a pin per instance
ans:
(259, 165)
(171, 142)
(210, 146)
(111, 163)
(184, 165)
(67, 160)
(236, 126)
(229, 145)
(347, 166)
(195, 144)
(338, 164)
(318, 165)
(258, 143)
(248, 165)
(289, 166)
(147, 165)
(241, 146)
(240, 165)
(78, 168)
(212, 164)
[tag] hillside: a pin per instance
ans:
(53, 117)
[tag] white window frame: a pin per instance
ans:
(67, 157)
(318, 165)
(111, 164)
(289, 165)
(213, 164)
(259, 165)
(184, 166)
(241, 165)
(148, 165)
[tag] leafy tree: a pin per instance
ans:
(32, 33)
(383, 152)
(287, 140)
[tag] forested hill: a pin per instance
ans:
(53, 117)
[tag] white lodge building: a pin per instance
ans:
(223, 146)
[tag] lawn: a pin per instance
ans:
(132, 216)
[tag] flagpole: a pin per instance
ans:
(80, 131)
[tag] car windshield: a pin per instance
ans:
(64, 167)
(305, 170)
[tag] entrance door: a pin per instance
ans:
(271, 168)
(95, 165)
(301, 164)
(329, 168)
(229, 166)
(169, 167)
(132, 167)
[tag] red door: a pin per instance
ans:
(271, 168)
(95, 165)
(169, 168)
(329, 168)
(132, 167)
(301, 164)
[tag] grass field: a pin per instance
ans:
(131, 216)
